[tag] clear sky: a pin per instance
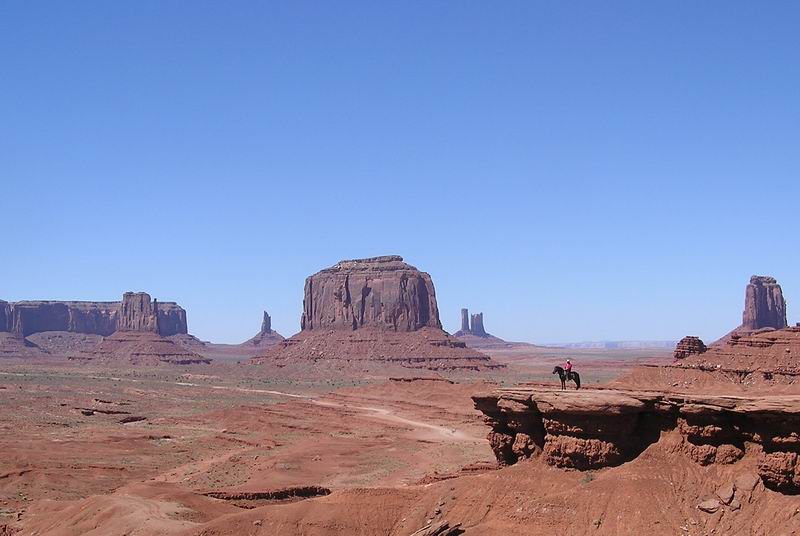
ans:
(575, 170)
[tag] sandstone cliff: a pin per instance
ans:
(382, 292)
(137, 313)
(591, 429)
(378, 309)
(98, 318)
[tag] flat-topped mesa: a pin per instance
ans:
(26, 318)
(689, 345)
(364, 311)
(377, 292)
(764, 306)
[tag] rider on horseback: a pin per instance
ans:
(568, 368)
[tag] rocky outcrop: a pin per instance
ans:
(590, 429)
(97, 318)
(765, 359)
(476, 325)
(266, 336)
(378, 292)
(376, 310)
(764, 306)
(472, 325)
(138, 313)
(689, 345)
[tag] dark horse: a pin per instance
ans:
(562, 374)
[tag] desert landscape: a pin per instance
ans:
(359, 268)
(373, 420)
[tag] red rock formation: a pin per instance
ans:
(689, 345)
(476, 326)
(764, 306)
(464, 321)
(265, 337)
(382, 292)
(137, 340)
(590, 429)
(98, 318)
(378, 309)
(764, 359)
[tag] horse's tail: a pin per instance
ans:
(577, 380)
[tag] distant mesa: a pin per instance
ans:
(382, 292)
(266, 336)
(97, 318)
(96, 330)
(375, 309)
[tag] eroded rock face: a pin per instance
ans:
(599, 428)
(379, 292)
(375, 310)
(266, 324)
(464, 321)
(689, 345)
(97, 318)
(764, 306)
(137, 313)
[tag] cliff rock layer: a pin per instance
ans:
(689, 345)
(379, 292)
(591, 429)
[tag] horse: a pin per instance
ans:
(563, 376)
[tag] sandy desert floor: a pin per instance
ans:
(170, 449)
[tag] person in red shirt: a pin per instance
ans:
(568, 368)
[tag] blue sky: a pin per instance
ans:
(576, 171)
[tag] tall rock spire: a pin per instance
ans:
(764, 306)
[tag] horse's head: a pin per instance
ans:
(556, 370)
